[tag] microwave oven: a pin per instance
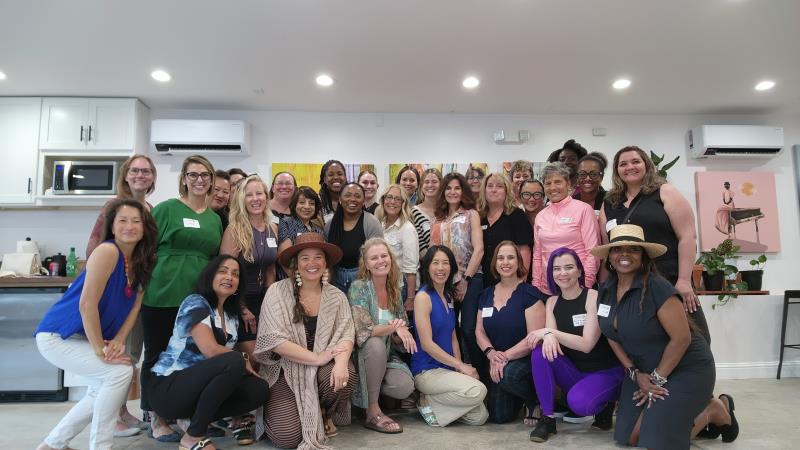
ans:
(84, 177)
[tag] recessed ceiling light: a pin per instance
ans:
(2, 76)
(622, 83)
(765, 85)
(160, 75)
(324, 80)
(470, 82)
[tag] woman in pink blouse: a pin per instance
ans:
(564, 222)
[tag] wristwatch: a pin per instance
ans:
(467, 278)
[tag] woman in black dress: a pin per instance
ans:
(667, 397)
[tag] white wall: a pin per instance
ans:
(389, 138)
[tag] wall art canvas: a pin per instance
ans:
(741, 206)
(444, 168)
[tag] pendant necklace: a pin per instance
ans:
(128, 285)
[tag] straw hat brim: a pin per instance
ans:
(653, 250)
(333, 252)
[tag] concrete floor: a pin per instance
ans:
(767, 411)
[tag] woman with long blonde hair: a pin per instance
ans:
(252, 239)
(381, 322)
(394, 213)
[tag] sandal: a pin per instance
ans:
(330, 427)
(244, 434)
(530, 418)
(382, 424)
(729, 432)
(427, 412)
(172, 437)
(197, 445)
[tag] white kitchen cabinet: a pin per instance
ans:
(93, 124)
(19, 148)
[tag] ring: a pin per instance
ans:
(650, 396)
(344, 384)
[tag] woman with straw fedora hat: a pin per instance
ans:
(305, 338)
(667, 396)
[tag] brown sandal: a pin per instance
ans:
(381, 423)
(330, 427)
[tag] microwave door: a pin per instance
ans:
(92, 179)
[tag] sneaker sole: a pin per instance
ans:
(578, 419)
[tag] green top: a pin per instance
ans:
(186, 242)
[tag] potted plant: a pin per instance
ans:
(754, 277)
(716, 266)
(657, 160)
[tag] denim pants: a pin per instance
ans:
(107, 391)
(343, 277)
(513, 391)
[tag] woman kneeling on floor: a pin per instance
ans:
(574, 354)
(85, 331)
(507, 312)
(668, 398)
(200, 376)
(450, 389)
(305, 338)
(381, 327)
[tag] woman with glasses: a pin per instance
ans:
(189, 234)
(531, 192)
(137, 179)
(520, 171)
(369, 181)
(590, 177)
(280, 194)
(395, 216)
(475, 176)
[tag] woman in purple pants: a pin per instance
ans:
(573, 353)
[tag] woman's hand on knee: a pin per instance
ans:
(339, 376)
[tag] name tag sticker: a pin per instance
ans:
(271, 242)
(191, 223)
(426, 226)
(610, 224)
(276, 220)
(460, 219)
(603, 310)
(450, 305)
(565, 220)
(578, 320)
(484, 227)
(487, 312)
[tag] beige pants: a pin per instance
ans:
(453, 396)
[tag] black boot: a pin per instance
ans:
(543, 430)
(604, 420)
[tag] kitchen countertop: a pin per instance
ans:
(35, 282)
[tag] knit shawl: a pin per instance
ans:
(334, 325)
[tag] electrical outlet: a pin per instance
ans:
(598, 131)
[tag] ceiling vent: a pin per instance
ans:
(207, 137)
(735, 141)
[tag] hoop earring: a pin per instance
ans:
(298, 280)
(325, 276)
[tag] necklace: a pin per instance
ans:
(260, 252)
(128, 284)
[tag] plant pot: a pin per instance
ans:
(753, 278)
(697, 276)
(713, 282)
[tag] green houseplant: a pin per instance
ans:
(715, 266)
(755, 276)
(657, 160)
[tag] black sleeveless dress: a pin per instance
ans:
(265, 253)
(570, 315)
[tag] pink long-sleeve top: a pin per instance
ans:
(569, 223)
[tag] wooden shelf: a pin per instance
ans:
(733, 292)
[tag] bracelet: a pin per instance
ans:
(546, 333)
(245, 356)
(467, 278)
(632, 371)
(657, 379)
(487, 350)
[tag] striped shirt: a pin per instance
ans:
(423, 226)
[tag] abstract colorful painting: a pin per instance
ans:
(741, 206)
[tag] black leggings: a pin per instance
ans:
(157, 324)
(209, 390)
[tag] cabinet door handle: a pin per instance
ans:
(29, 185)
(90, 133)
(81, 133)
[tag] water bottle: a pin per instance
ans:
(72, 261)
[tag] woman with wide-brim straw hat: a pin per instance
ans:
(305, 338)
(666, 398)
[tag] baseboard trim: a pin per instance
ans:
(761, 369)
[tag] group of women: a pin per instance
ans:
(478, 297)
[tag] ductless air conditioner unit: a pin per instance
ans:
(209, 137)
(735, 141)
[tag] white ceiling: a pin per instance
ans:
(532, 56)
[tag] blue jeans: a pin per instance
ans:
(469, 319)
(343, 277)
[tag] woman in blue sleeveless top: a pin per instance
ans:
(85, 331)
(449, 388)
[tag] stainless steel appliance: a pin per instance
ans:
(25, 376)
(84, 177)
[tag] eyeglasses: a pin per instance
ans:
(192, 176)
(137, 171)
(533, 195)
(392, 198)
(593, 174)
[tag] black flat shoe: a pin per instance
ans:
(710, 431)
(729, 432)
(544, 429)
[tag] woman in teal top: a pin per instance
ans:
(381, 330)
(189, 234)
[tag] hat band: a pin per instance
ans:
(626, 238)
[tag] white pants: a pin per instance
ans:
(107, 391)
